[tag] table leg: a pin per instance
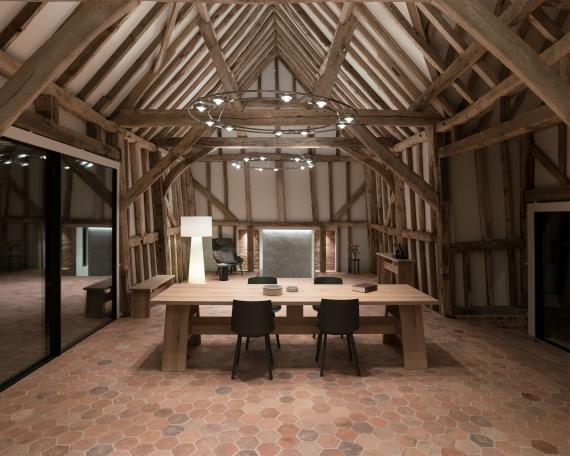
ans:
(195, 339)
(175, 344)
(413, 341)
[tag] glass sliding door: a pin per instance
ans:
(552, 277)
(87, 249)
(57, 254)
(25, 326)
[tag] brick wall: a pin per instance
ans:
(68, 251)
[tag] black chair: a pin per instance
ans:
(225, 253)
(326, 281)
(252, 319)
(338, 317)
(275, 308)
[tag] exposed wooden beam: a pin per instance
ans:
(50, 129)
(561, 193)
(216, 54)
(533, 120)
(513, 51)
(513, 15)
(163, 164)
(420, 186)
(167, 35)
(543, 158)
(138, 118)
(288, 142)
(92, 181)
(229, 215)
(337, 51)
(197, 154)
(51, 59)
(75, 106)
(350, 202)
(508, 86)
(19, 23)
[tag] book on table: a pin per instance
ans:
(364, 287)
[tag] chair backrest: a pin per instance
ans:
(328, 281)
(262, 279)
(339, 316)
(252, 318)
(223, 250)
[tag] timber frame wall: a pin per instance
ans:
(415, 124)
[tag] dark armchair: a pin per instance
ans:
(225, 253)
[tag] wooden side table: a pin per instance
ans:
(403, 269)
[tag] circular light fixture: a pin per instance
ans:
(225, 110)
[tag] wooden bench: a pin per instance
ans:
(144, 291)
(97, 295)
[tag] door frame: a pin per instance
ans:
(532, 209)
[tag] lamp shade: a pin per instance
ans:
(195, 226)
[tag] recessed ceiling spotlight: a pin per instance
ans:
(200, 107)
(277, 133)
(246, 159)
(210, 123)
(275, 169)
(348, 119)
(297, 159)
(304, 132)
(22, 155)
(286, 98)
(229, 128)
(341, 125)
(321, 103)
(262, 158)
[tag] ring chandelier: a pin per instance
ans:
(260, 163)
(214, 106)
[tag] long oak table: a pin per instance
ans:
(183, 323)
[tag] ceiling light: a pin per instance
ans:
(89, 165)
(297, 159)
(200, 107)
(321, 103)
(66, 167)
(229, 128)
(277, 132)
(262, 158)
(275, 169)
(302, 167)
(238, 166)
(210, 123)
(348, 119)
(311, 166)
(22, 156)
(8, 162)
(218, 101)
(304, 132)
(246, 159)
(259, 169)
(43, 157)
(286, 98)
(24, 164)
(341, 125)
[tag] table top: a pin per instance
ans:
(223, 293)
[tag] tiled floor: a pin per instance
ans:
(23, 339)
(487, 392)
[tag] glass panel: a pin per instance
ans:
(24, 334)
(86, 249)
(552, 237)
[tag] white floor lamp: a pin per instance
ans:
(196, 228)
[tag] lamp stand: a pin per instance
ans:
(196, 271)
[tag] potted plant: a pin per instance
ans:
(353, 250)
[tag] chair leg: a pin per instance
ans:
(278, 341)
(269, 357)
(354, 354)
(240, 269)
(247, 343)
(236, 357)
(323, 353)
(319, 342)
(349, 345)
